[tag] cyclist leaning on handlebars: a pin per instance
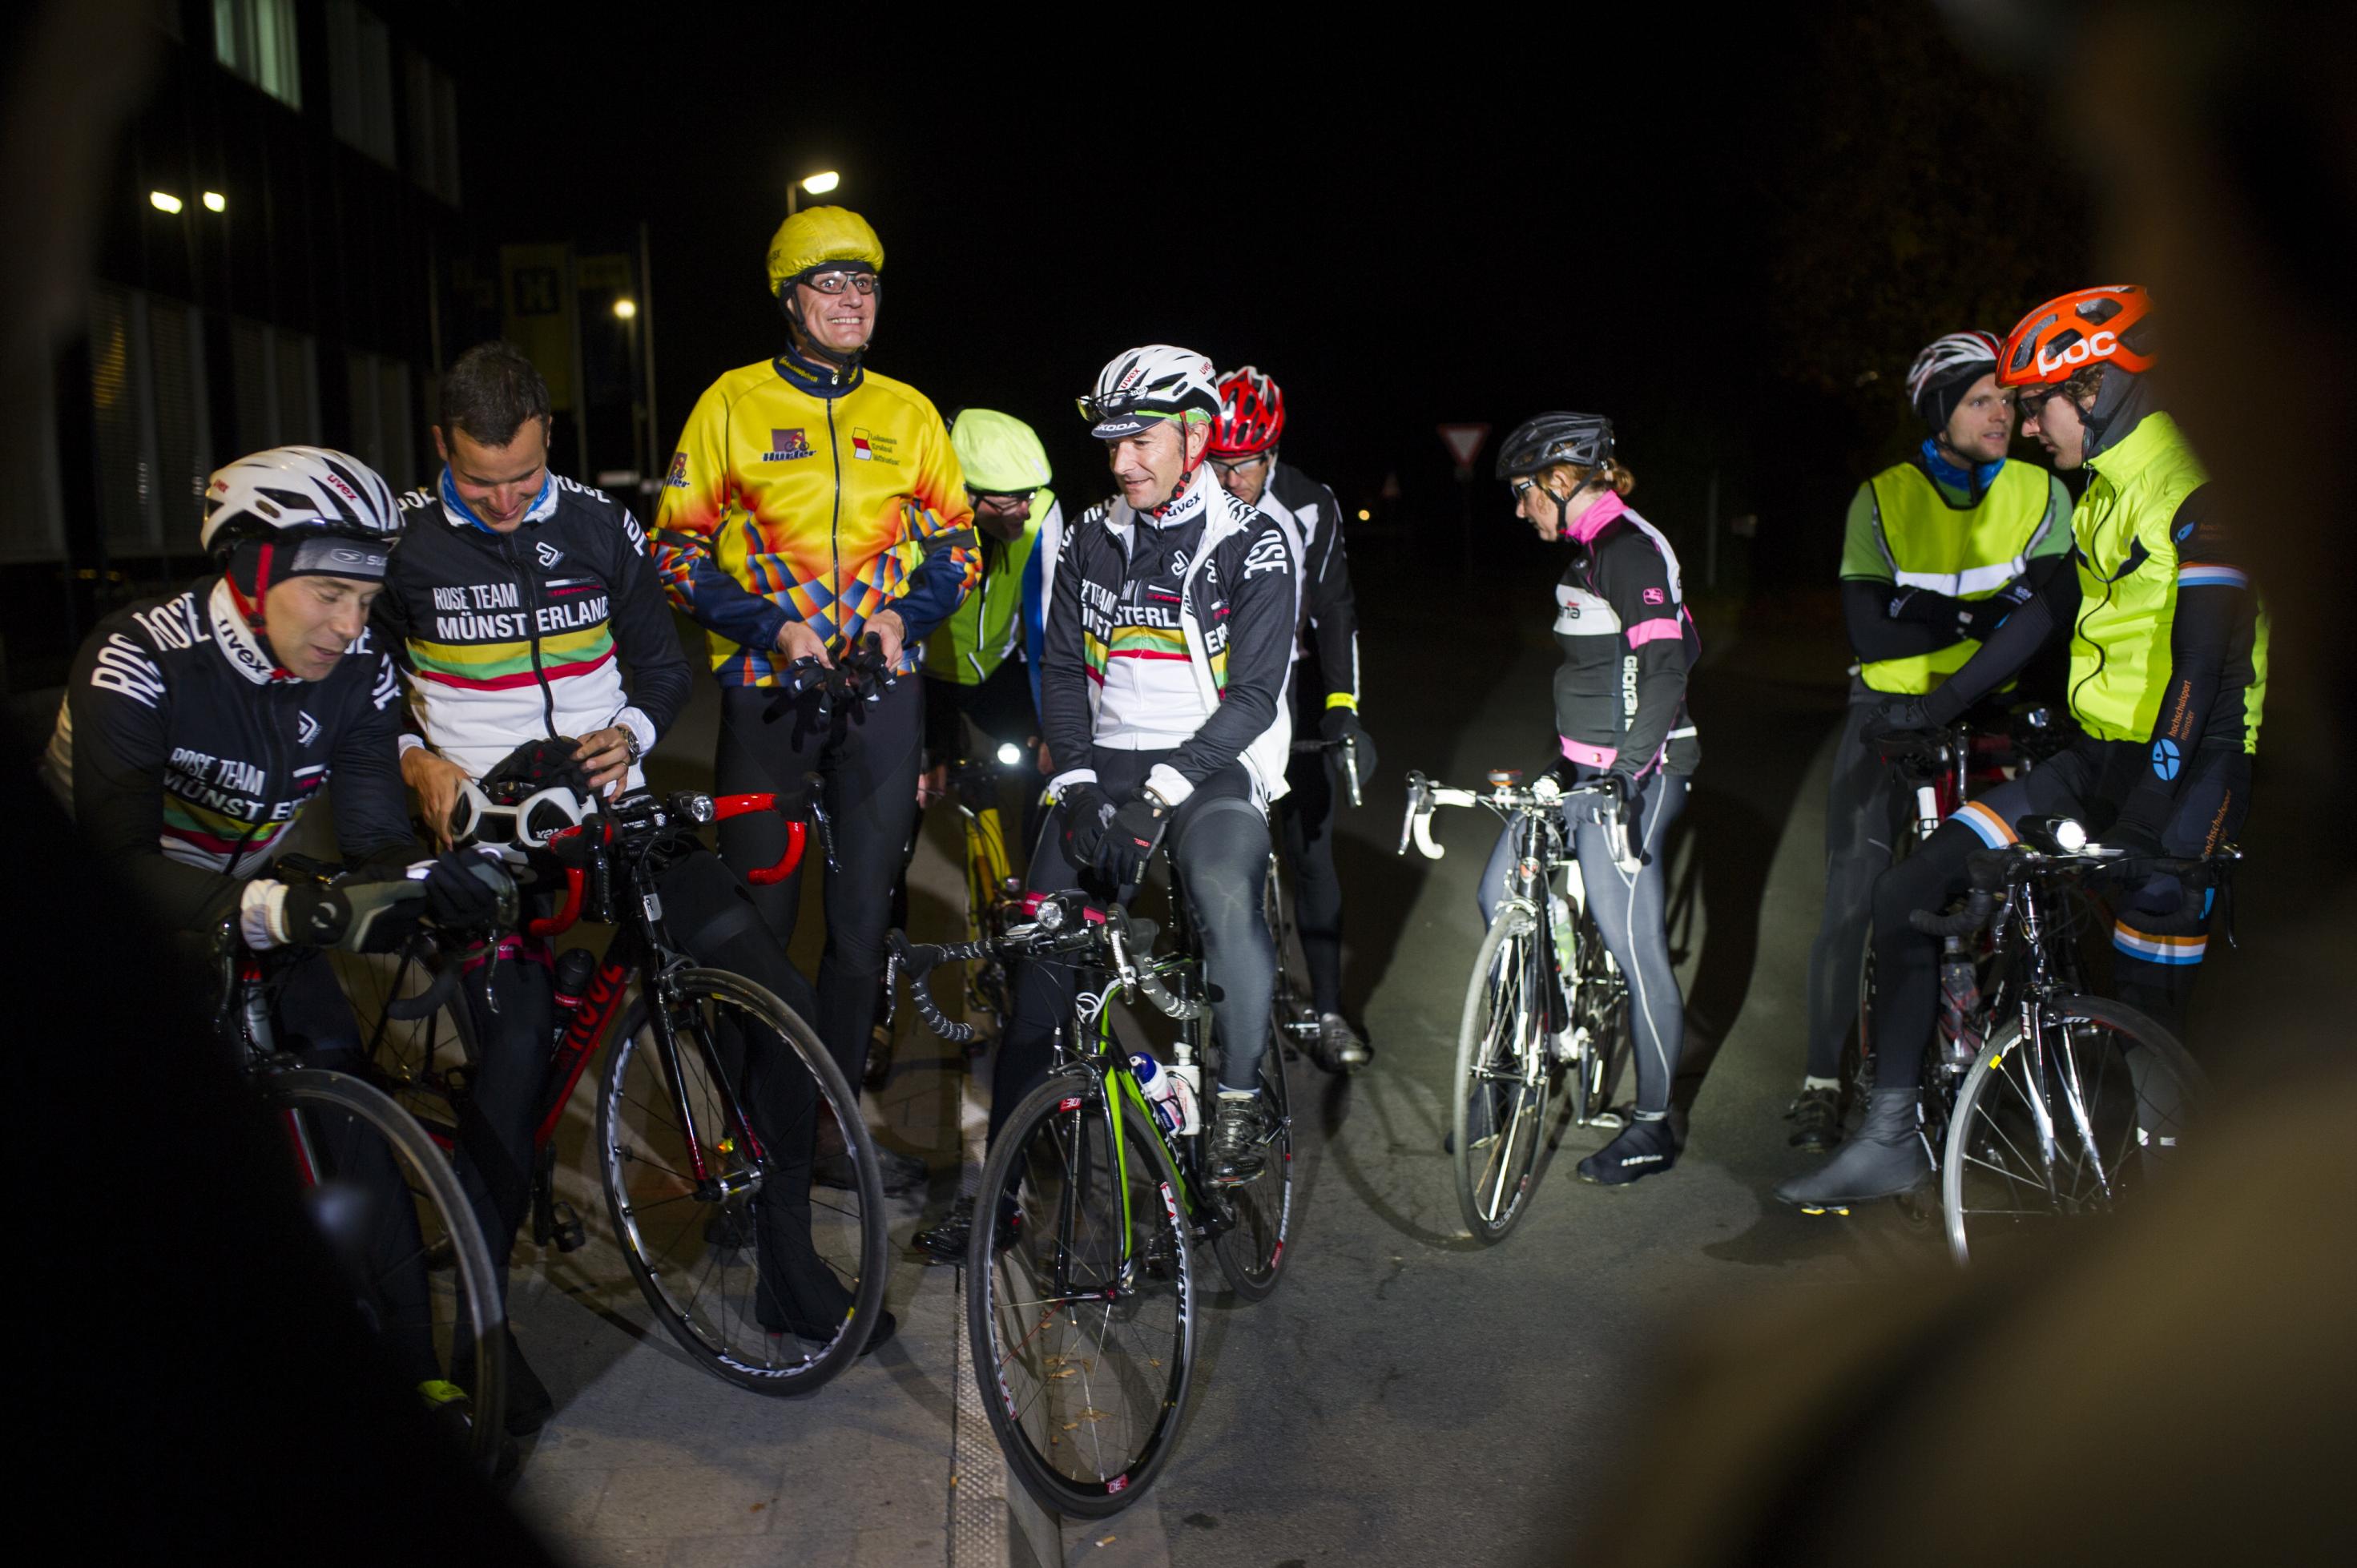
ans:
(2167, 670)
(1938, 551)
(1619, 715)
(1170, 622)
(815, 510)
(197, 728)
(1325, 692)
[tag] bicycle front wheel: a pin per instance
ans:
(398, 1221)
(705, 1136)
(1502, 1076)
(1251, 1250)
(2064, 1126)
(1083, 1325)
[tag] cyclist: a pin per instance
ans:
(1939, 548)
(1243, 453)
(1170, 628)
(507, 601)
(980, 666)
(197, 728)
(813, 503)
(2168, 672)
(1620, 717)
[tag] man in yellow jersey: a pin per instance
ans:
(2169, 672)
(1939, 549)
(813, 504)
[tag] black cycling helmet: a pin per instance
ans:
(1545, 439)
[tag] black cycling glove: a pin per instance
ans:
(1332, 727)
(1923, 607)
(463, 891)
(316, 914)
(1982, 616)
(1129, 841)
(1087, 810)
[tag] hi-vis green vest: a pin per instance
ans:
(1965, 552)
(2120, 663)
(973, 642)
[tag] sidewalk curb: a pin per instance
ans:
(993, 1522)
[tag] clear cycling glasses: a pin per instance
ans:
(835, 283)
(1239, 465)
(531, 822)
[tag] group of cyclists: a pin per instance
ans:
(1153, 661)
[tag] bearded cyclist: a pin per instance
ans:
(1939, 549)
(197, 728)
(1243, 453)
(2168, 661)
(812, 504)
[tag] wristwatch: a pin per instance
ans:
(630, 742)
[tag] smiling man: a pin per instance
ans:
(1939, 549)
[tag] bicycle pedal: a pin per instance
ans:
(566, 1227)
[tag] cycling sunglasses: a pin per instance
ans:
(1004, 498)
(531, 822)
(1238, 465)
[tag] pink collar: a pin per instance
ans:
(1590, 523)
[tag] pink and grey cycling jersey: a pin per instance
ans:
(1628, 643)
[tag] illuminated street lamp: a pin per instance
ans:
(163, 201)
(819, 184)
(216, 202)
(626, 308)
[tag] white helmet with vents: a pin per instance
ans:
(292, 493)
(1958, 357)
(1140, 386)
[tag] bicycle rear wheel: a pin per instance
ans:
(1600, 1003)
(1250, 1251)
(2065, 1127)
(1083, 1329)
(764, 1280)
(412, 1061)
(1502, 1077)
(398, 1221)
(1292, 1017)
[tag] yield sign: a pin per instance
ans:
(1463, 441)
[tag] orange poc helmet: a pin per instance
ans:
(2107, 325)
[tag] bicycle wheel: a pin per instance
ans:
(1250, 1251)
(419, 1269)
(1292, 1018)
(411, 1060)
(2065, 1127)
(1083, 1330)
(1599, 1006)
(765, 1282)
(1502, 1077)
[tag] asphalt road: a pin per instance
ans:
(1409, 1396)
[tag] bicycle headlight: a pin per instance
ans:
(1010, 754)
(2070, 835)
(1050, 916)
(701, 808)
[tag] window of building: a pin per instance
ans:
(274, 377)
(433, 127)
(381, 436)
(360, 79)
(153, 428)
(255, 39)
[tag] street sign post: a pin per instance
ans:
(1464, 444)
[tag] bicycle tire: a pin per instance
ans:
(1250, 1251)
(685, 1239)
(410, 1060)
(476, 1310)
(1033, 1364)
(1501, 1081)
(1989, 1182)
(1292, 1017)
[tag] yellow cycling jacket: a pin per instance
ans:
(798, 497)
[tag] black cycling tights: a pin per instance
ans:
(1630, 911)
(1219, 839)
(867, 754)
(1306, 814)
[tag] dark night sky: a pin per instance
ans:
(1416, 232)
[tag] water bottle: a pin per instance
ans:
(1162, 1091)
(574, 968)
(1566, 940)
(1960, 1003)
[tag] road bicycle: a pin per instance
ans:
(706, 1105)
(2076, 1100)
(1546, 1000)
(1080, 1283)
(377, 1186)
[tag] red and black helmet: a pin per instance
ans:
(1251, 414)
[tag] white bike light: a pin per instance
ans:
(2069, 834)
(1050, 916)
(1010, 754)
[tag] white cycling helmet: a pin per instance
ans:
(1958, 358)
(1140, 386)
(291, 494)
